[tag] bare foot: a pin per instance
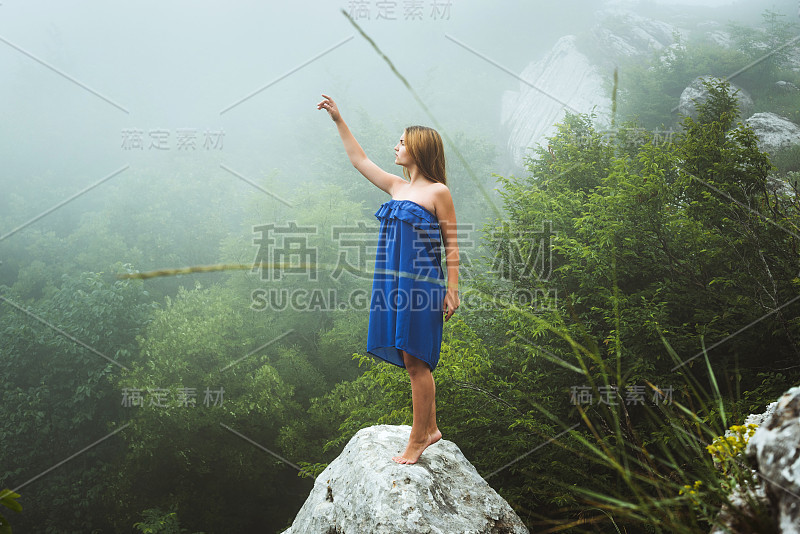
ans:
(414, 449)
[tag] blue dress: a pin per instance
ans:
(408, 288)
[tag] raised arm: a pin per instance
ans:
(382, 179)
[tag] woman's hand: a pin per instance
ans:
(451, 302)
(330, 106)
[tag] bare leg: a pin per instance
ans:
(424, 431)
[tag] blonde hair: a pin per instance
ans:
(425, 146)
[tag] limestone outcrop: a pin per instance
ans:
(774, 132)
(363, 490)
(775, 450)
(696, 93)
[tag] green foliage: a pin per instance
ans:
(157, 521)
(666, 483)
(58, 394)
(665, 241)
(199, 353)
(787, 161)
(651, 90)
(767, 43)
(8, 499)
(311, 470)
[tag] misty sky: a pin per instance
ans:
(171, 65)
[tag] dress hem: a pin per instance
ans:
(401, 364)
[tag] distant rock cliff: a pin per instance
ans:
(563, 80)
(364, 491)
(566, 79)
(576, 75)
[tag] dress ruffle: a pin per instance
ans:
(410, 211)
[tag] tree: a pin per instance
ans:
(58, 396)
(198, 381)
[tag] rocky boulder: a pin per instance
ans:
(632, 34)
(775, 449)
(363, 490)
(696, 93)
(783, 86)
(774, 132)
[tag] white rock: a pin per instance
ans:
(775, 448)
(566, 79)
(632, 35)
(696, 93)
(786, 87)
(364, 491)
(774, 132)
(740, 499)
(759, 418)
(722, 38)
(563, 76)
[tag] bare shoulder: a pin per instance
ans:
(443, 202)
(442, 198)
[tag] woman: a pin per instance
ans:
(409, 294)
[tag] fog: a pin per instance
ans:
(76, 75)
(158, 135)
(180, 64)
